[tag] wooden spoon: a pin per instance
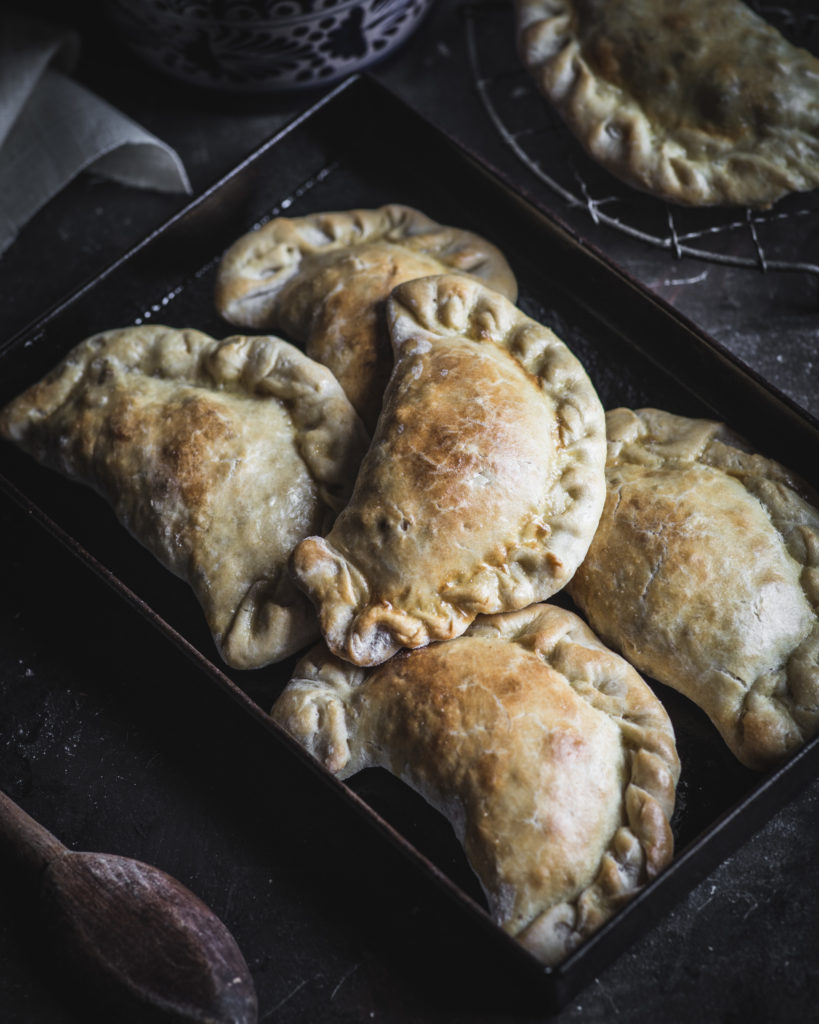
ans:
(151, 948)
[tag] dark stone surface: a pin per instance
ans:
(115, 742)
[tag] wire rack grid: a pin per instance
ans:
(767, 240)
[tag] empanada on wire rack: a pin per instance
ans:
(700, 102)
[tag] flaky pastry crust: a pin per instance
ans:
(219, 456)
(697, 101)
(323, 279)
(704, 573)
(549, 755)
(483, 484)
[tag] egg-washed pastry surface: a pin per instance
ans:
(704, 573)
(483, 484)
(217, 455)
(697, 101)
(552, 759)
(323, 278)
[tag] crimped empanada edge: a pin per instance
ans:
(617, 133)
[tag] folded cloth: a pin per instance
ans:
(52, 128)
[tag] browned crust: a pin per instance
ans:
(323, 280)
(704, 572)
(483, 484)
(217, 456)
(553, 761)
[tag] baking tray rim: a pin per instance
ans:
(698, 856)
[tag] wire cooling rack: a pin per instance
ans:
(784, 238)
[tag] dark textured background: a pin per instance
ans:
(113, 740)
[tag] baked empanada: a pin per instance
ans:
(697, 101)
(552, 759)
(704, 573)
(217, 456)
(323, 279)
(483, 484)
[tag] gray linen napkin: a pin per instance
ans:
(52, 128)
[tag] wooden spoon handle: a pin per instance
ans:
(32, 845)
(149, 946)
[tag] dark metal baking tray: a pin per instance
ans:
(360, 146)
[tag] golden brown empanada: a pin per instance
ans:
(551, 758)
(704, 573)
(696, 101)
(217, 456)
(322, 279)
(483, 484)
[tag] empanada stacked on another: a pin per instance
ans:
(704, 573)
(323, 280)
(483, 484)
(219, 456)
(428, 555)
(551, 758)
(553, 761)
